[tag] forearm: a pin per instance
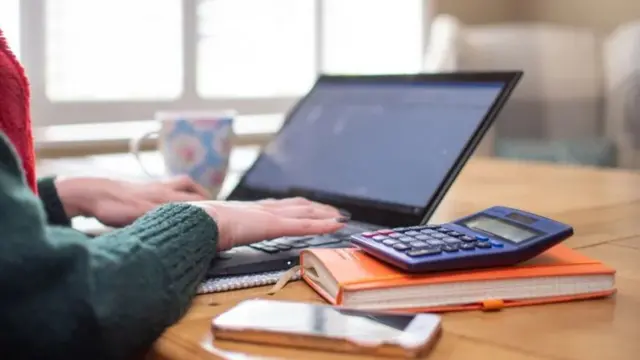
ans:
(114, 294)
(66, 296)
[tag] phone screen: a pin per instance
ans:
(328, 321)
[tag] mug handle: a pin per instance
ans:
(134, 149)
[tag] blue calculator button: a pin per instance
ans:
(496, 244)
(427, 231)
(423, 237)
(451, 248)
(439, 236)
(389, 242)
(483, 245)
(379, 237)
(482, 238)
(401, 247)
(432, 227)
(467, 246)
(466, 238)
(412, 233)
(418, 244)
(406, 239)
(454, 233)
(451, 241)
(444, 230)
(424, 252)
(435, 242)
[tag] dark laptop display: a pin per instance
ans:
(385, 148)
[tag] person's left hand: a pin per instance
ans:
(118, 203)
(245, 222)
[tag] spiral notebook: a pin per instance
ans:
(229, 283)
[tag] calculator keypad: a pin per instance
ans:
(430, 240)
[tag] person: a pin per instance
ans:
(66, 295)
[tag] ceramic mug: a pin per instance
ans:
(197, 144)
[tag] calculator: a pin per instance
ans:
(498, 236)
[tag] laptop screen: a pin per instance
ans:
(387, 143)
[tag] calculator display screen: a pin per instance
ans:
(500, 228)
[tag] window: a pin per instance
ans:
(111, 60)
(91, 57)
(10, 23)
(256, 48)
(364, 36)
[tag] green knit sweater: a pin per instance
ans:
(66, 296)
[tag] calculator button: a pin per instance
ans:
(424, 252)
(423, 237)
(439, 236)
(390, 242)
(412, 233)
(368, 234)
(418, 244)
(385, 231)
(467, 246)
(432, 227)
(435, 242)
(395, 235)
(283, 246)
(427, 231)
(496, 244)
(400, 229)
(482, 238)
(405, 239)
(444, 230)
(455, 233)
(451, 240)
(450, 248)
(379, 237)
(401, 247)
(466, 238)
(483, 245)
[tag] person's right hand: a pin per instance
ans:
(242, 223)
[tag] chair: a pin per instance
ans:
(622, 87)
(560, 110)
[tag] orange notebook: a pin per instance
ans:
(351, 278)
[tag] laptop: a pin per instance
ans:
(385, 148)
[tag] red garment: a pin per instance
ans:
(15, 119)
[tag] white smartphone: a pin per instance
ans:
(324, 327)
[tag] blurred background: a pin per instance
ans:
(93, 64)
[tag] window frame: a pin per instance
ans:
(46, 113)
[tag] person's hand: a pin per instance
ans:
(118, 203)
(242, 223)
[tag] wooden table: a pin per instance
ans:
(602, 205)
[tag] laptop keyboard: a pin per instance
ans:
(301, 242)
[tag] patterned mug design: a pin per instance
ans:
(195, 146)
(200, 151)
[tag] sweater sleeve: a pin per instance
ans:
(110, 297)
(51, 202)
